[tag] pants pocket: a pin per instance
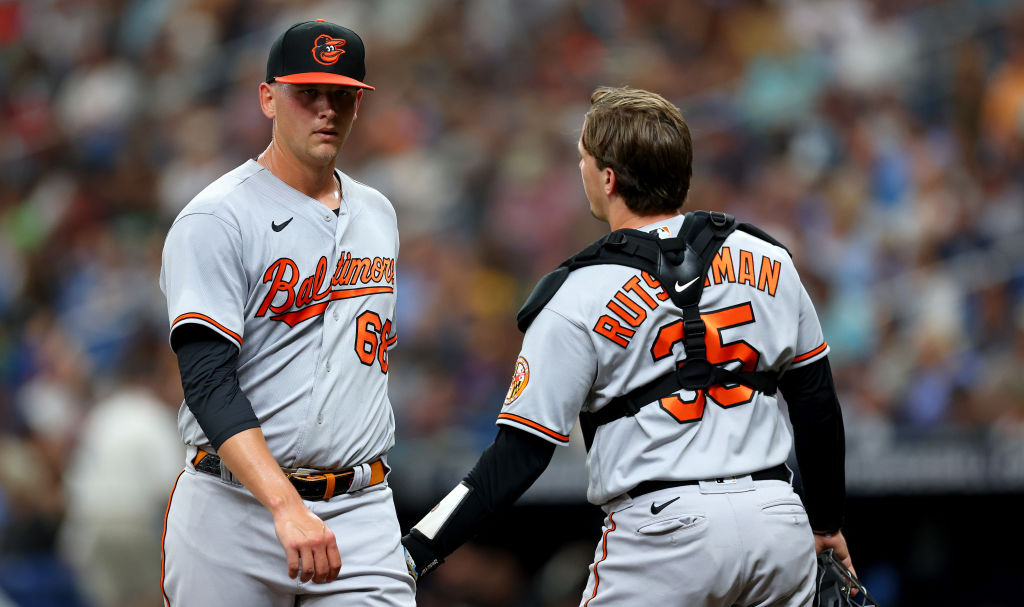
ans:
(670, 525)
(783, 506)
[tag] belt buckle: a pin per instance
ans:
(307, 477)
(727, 480)
(301, 472)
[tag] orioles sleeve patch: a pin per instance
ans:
(520, 378)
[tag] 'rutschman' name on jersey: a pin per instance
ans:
(611, 329)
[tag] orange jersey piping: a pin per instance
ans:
(232, 334)
(562, 438)
(812, 353)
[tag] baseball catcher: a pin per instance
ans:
(669, 340)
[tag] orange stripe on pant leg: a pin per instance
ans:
(163, 538)
(604, 555)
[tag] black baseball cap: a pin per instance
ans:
(318, 52)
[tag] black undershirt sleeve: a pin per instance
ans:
(503, 473)
(208, 364)
(819, 441)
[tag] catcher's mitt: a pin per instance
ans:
(835, 583)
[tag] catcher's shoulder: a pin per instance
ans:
(746, 232)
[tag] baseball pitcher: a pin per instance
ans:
(280, 286)
(669, 339)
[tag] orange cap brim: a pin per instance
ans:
(322, 78)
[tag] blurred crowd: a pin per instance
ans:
(882, 141)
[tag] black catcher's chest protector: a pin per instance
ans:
(680, 264)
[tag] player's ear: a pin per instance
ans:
(267, 100)
(359, 98)
(610, 183)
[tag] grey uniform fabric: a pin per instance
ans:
(610, 329)
(307, 297)
(756, 310)
(220, 549)
(297, 303)
(716, 544)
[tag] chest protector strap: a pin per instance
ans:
(680, 264)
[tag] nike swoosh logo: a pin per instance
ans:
(655, 509)
(278, 228)
(681, 288)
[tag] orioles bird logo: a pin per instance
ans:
(326, 50)
(520, 377)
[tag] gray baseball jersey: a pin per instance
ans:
(611, 329)
(309, 299)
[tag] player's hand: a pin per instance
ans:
(410, 565)
(419, 556)
(837, 543)
(309, 545)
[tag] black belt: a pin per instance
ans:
(775, 473)
(315, 486)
